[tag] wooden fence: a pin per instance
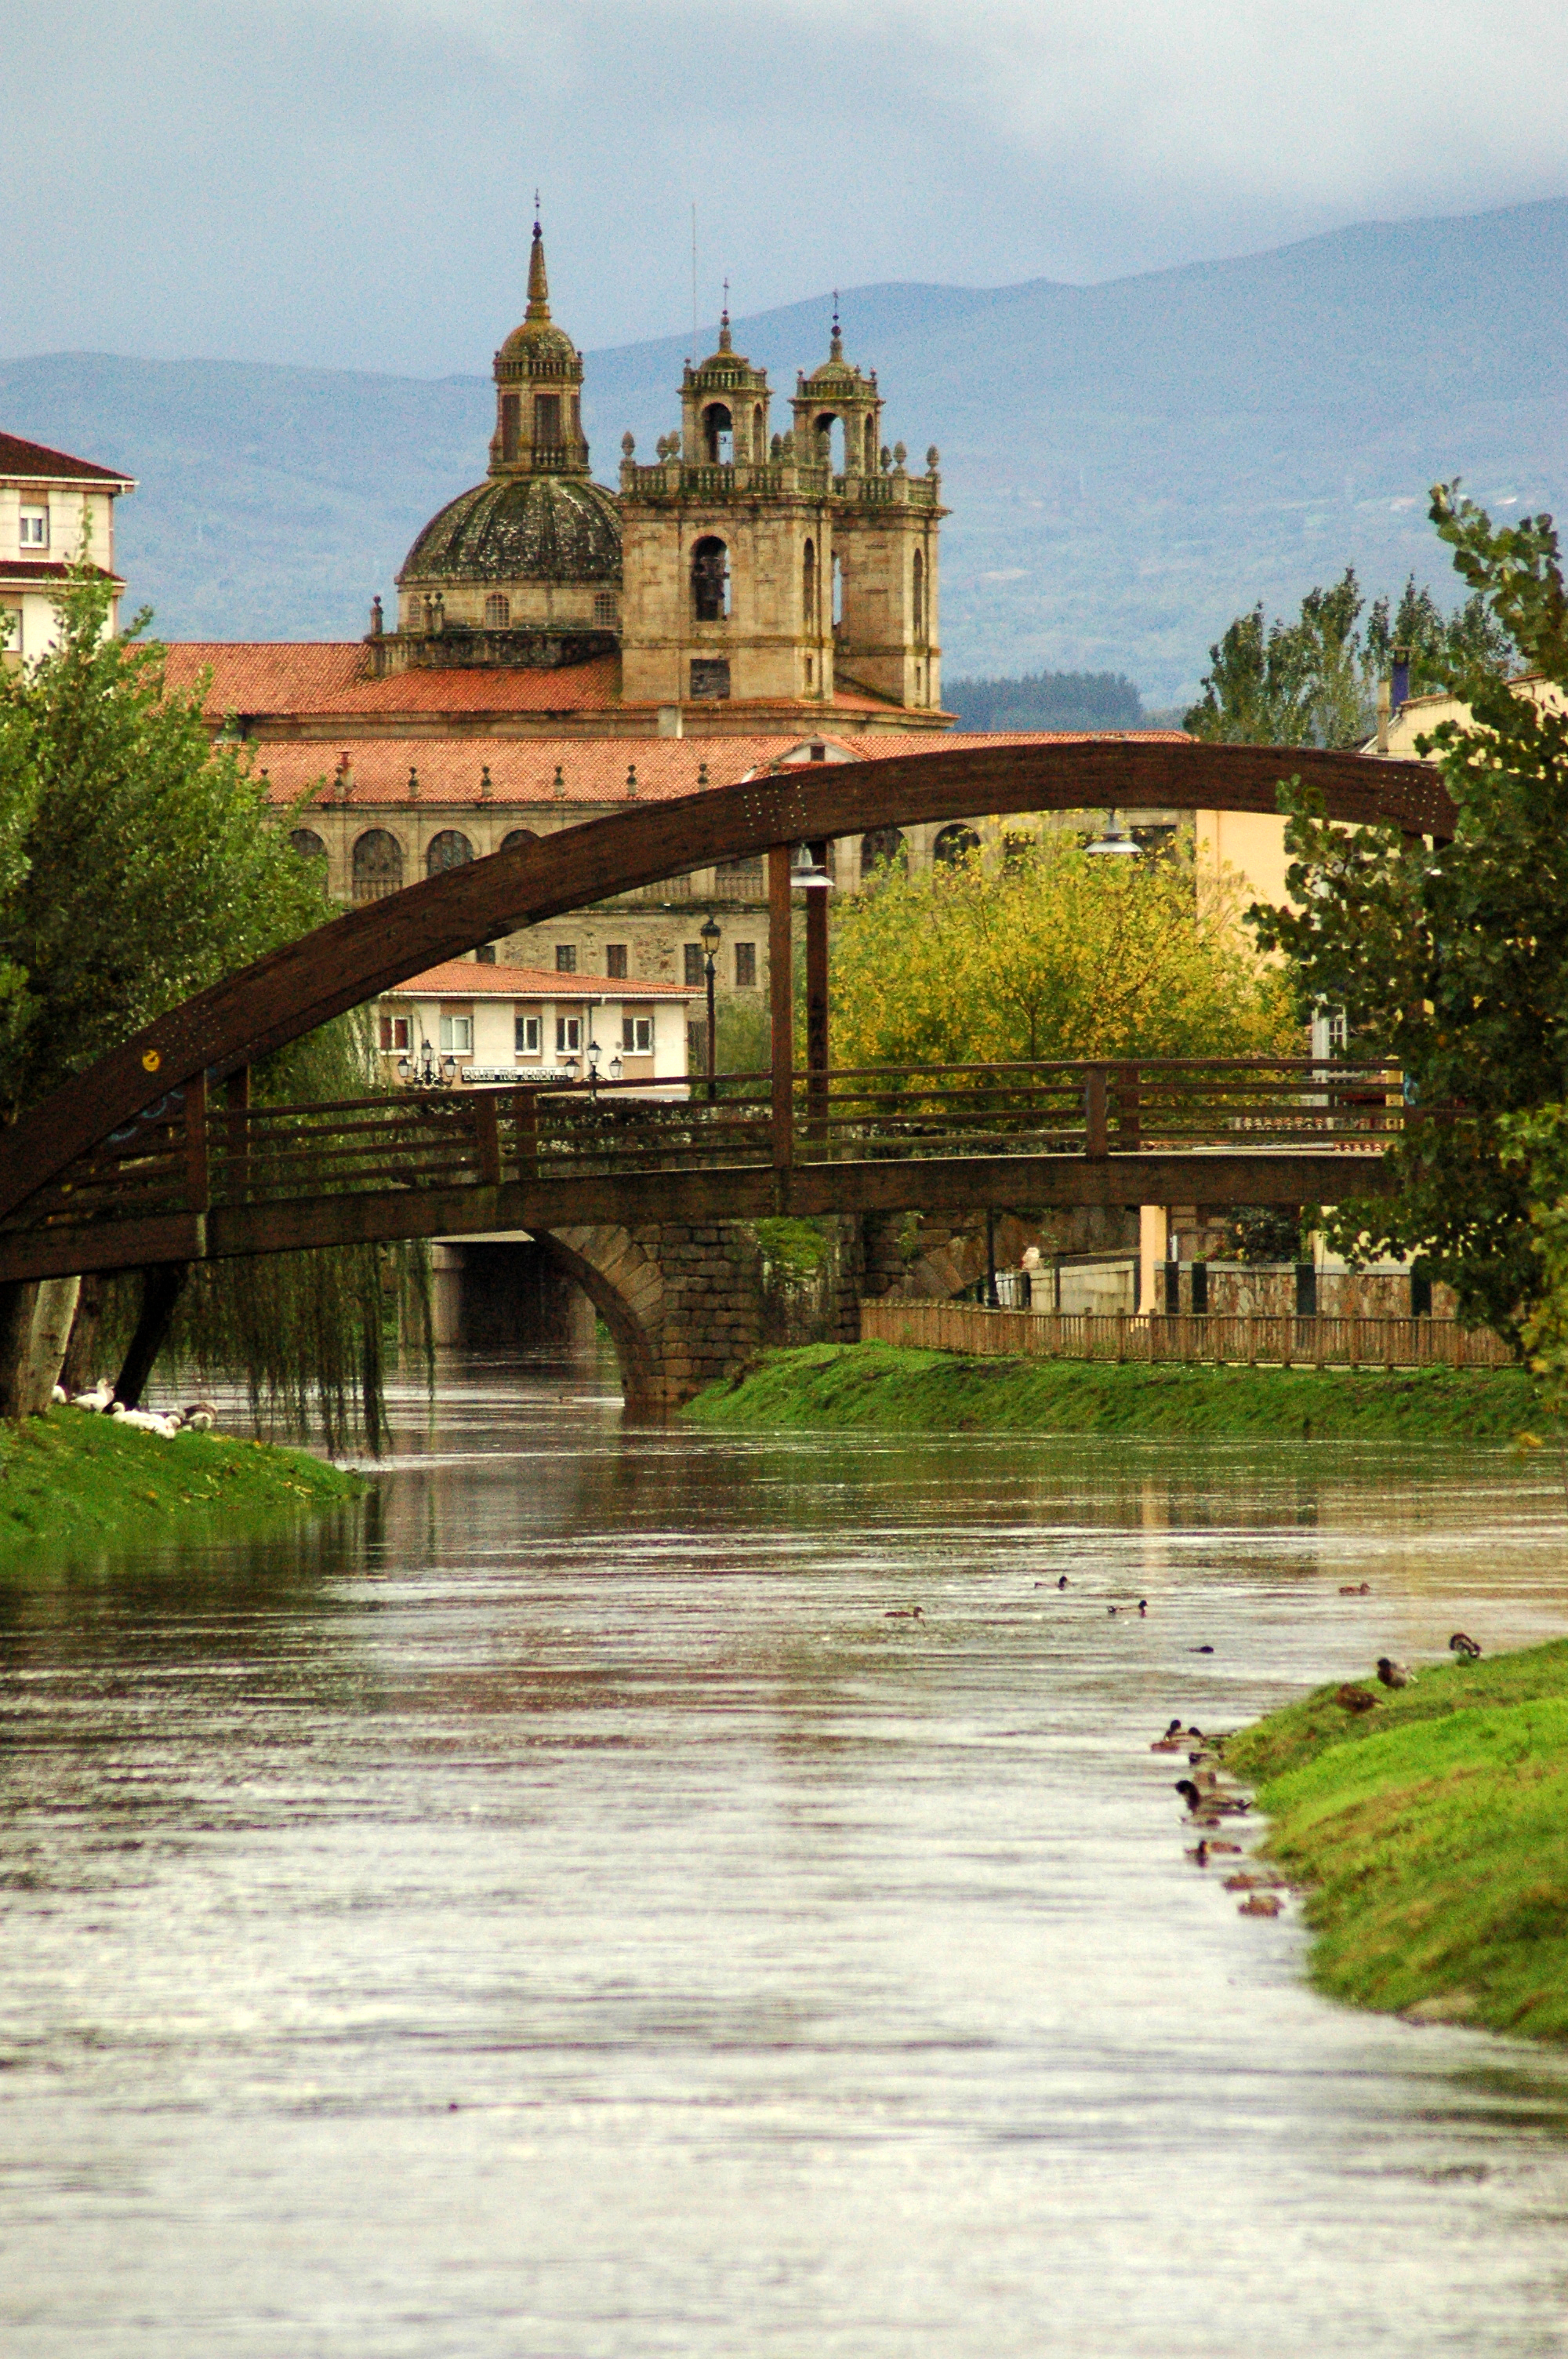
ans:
(1254, 1340)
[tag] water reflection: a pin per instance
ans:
(556, 1909)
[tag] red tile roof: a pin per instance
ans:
(37, 462)
(593, 770)
(466, 979)
(48, 569)
(326, 675)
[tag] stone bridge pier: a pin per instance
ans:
(690, 1303)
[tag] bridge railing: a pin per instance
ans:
(182, 1157)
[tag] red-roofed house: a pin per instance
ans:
(54, 510)
(474, 1021)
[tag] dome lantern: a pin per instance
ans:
(538, 389)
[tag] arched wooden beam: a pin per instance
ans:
(354, 958)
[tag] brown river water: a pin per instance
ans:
(552, 1909)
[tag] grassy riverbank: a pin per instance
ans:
(1433, 1836)
(70, 1478)
(881, 1388)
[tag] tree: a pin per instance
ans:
(138, 863)
(1452, 960)
(1052, 953)
(1312, 681)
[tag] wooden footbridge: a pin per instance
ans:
(156, 1155)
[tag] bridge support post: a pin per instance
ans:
(162, 1286)
(781, 1004)
(817, 1004)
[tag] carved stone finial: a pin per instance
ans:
(631, 781)
(484, 788)
(898, 454)
(560, 784)
(412, 783)
(933, 458)
(377, 621)
(628, 443)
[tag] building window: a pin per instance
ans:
(498, 610)
(709, 680)
(953, 845)
(709, 579)
(377, 866)
(307, 844)
(35, 528)
(566, 958)
(696, 968)
(485, 954)
(394, 1033)
(808, 588)
(615, 959)
(447, 850)
(457, 1036)
(546, 421)
(919, 600)
(510, 408)
(604, 609)
(568, 1036)
(517, 836)
(883, 848)
(718, 435)
(525, 1035)
(637, 1034)
(745, 966)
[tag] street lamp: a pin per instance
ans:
(1115, 840)
(805, 874)
(593, 1056)
(710, 940)
(427, 1071)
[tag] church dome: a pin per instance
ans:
(537, 341)
(521, 529)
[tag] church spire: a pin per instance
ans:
(836, 346)
(538, 279)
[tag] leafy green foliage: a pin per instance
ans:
(1050, 953)
(1453, 961)
(1312, 681)
(138, 865)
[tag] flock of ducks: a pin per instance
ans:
(199, 1418)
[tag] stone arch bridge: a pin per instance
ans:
(155, 1157)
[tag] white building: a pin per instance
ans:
(54, 511)
(484, 1023)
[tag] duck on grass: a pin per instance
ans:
(1427, 1817)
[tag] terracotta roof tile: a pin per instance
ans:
(326, 675)
(48, 569)
(466, 979)
(37, 462)
(593, 769)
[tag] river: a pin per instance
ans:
(555, 1909)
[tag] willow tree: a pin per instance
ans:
(139, 864)
(1052, 953)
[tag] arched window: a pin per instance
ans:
(511, 409)
(546, 421)
(307, 844)
(709, 579)
(869, 446)
(830, 441)
(953, 844)
(498, 610)
(718, 435)
(759, 436)
(377, 866)
(448, 850)
(517, 837)
(918, 602)
(808, 588)
(883, 849)
(838, 592)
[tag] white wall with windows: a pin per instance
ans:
(47, 522)
(511, 1024)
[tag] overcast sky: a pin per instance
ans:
(349, 183)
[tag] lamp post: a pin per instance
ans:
(809, 874)
(1115, 840)
(709, 937)
(593, 1057)
(427, 1071)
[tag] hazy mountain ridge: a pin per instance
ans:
(1127, 465)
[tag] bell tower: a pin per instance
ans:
(538, 389)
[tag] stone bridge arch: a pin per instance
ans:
(682, 1301)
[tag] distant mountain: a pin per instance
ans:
(1127, 465)
(1046, 699)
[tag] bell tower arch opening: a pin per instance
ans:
(719, 435)
(709, 579)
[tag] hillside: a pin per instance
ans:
(1127, 463)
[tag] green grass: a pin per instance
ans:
(1433, 1836)
(71, 1478)
(882, 1388)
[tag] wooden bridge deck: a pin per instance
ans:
(188, 1180)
